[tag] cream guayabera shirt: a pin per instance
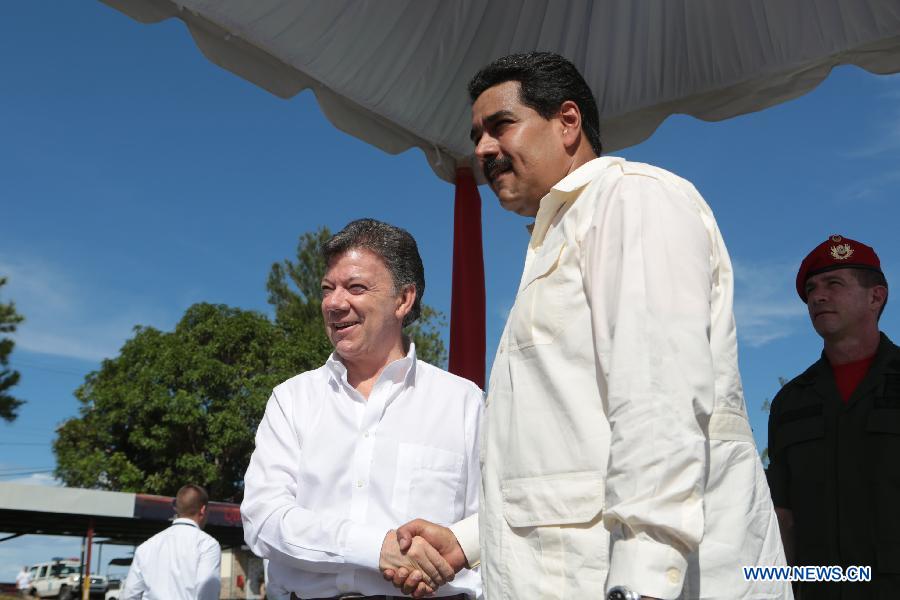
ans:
(616, 445)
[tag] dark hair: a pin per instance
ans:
(189, 499)
(547, 80)
(869, 278)
(395, 246)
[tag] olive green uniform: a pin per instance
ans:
(836, 465)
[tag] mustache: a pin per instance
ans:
(497, 164)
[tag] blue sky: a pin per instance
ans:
(137, 178)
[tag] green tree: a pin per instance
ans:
(9, 319)
(295, 291)
(180, 406)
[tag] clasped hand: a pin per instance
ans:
(420, 557)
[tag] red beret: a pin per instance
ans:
(837, 252)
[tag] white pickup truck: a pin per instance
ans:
(61, 578)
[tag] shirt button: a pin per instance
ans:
(673, 575)
(359, 483)
(366, 434)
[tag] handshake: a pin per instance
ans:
(420, 556)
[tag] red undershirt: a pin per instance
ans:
(849, 375)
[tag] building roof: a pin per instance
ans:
(119, 517)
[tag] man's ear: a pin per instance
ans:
(570, 120)
(879, 296)
(405, 301)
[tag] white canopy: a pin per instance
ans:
(394, 72)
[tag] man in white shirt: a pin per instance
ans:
(181, 562)
(23, 582)
(373, 438)
(617, 456)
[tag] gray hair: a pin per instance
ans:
(395, 246)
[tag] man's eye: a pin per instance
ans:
(357, 289)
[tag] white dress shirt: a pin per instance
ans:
(333, 472)
(617, 449)
(178, 563)
(23, 580)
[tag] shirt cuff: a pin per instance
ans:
(647, 567)
(362, 545)
(466, 532)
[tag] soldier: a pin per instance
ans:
(834, 431)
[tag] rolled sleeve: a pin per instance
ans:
(648, 278)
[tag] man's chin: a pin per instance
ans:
(346, 349)
(517, 205)
(508, 200)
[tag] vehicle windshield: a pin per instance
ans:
(63, 570)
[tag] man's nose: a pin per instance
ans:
(486, 147)
(335, 300)
(816, 295)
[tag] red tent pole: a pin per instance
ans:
(467, 307)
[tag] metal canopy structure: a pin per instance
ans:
(118, 517)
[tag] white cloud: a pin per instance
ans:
(888, 140)
(502, 312)
(65, 317)
(887, 136)
(766, 306)
(876, 187)
(41, 479)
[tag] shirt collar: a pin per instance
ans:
(399, 371)
(185, 521)
(562, 193)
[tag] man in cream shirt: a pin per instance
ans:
(617, 455)
(349, 451)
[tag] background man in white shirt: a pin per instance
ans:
(373, 438)
(617, 458)
(23, 582)
(181, 562)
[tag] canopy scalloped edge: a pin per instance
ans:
(270, 73)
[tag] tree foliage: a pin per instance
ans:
(9, 320)
(295, 290)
